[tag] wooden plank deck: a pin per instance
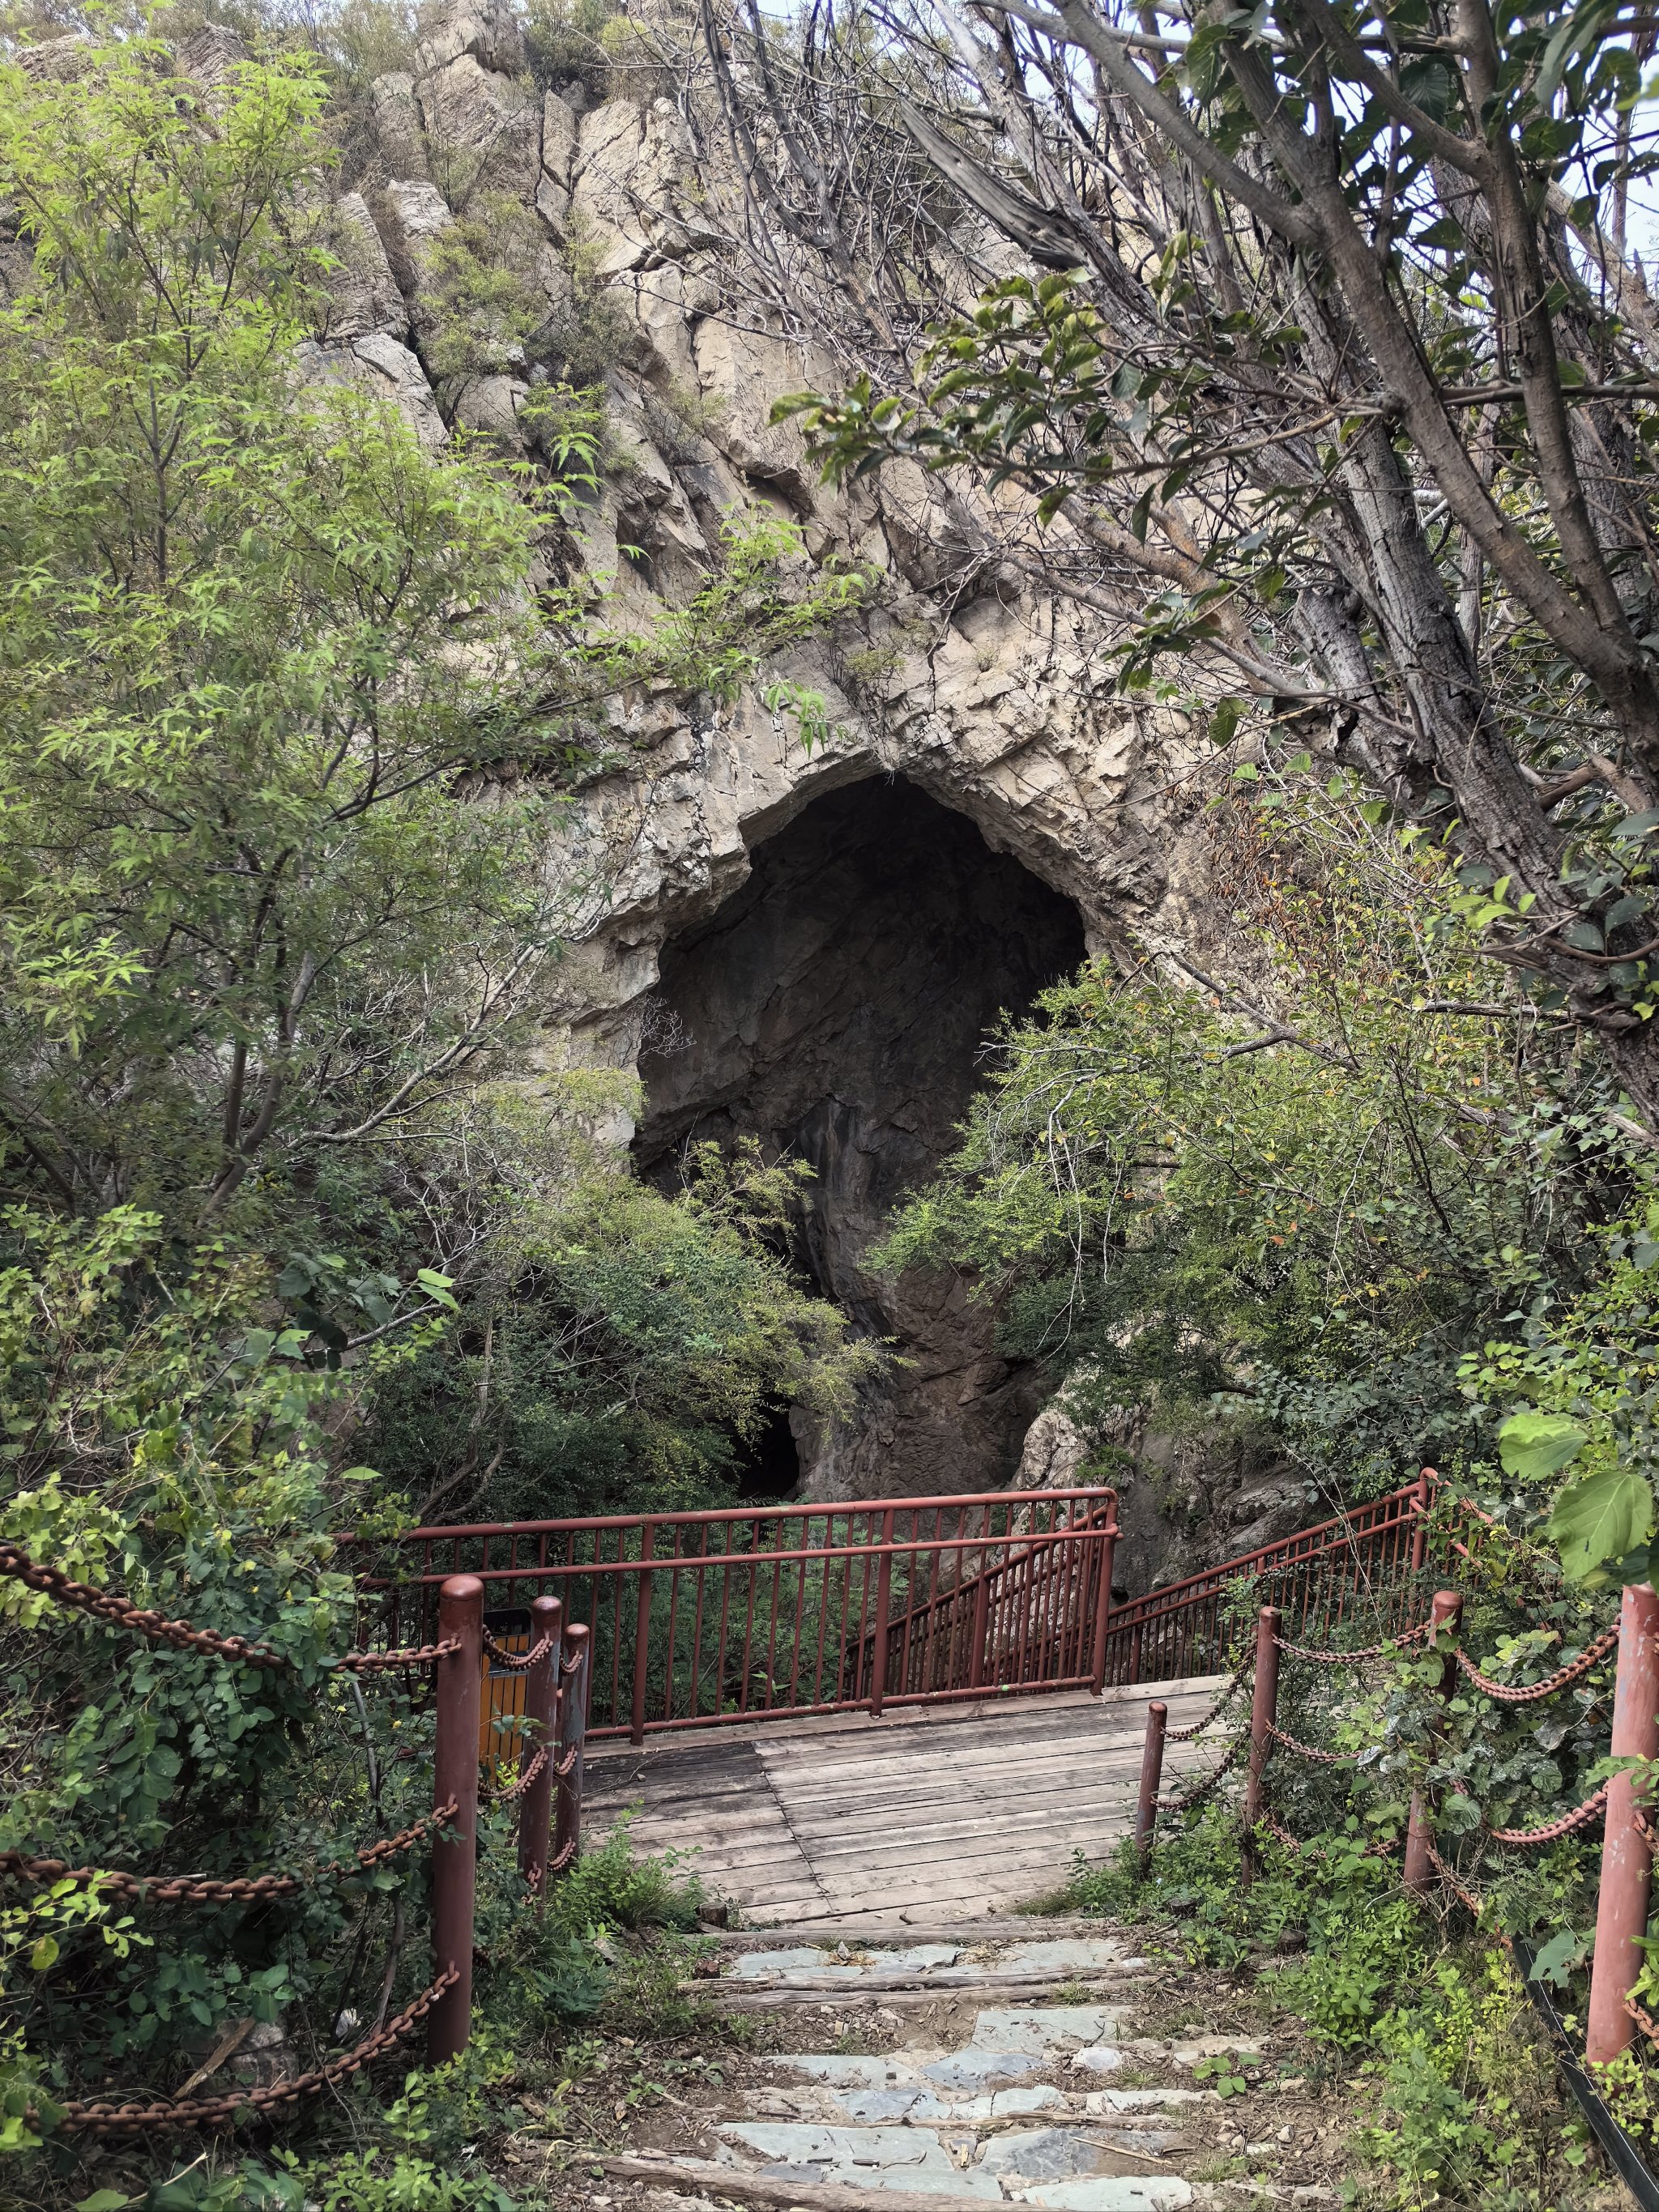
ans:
(950, 1812)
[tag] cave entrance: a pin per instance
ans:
(836, 1007)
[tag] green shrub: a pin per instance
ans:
(612, 1888)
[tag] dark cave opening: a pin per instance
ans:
(769, 1471)
(837, 1007)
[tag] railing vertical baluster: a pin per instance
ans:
(673, 1628)
(643, 1630)
(727, 1556)
(926, 1673)
(799, 1632)
(883, 1597)
(540, 1706)
(977, 1654)
(1105, 1549)
(1621, 1908)
(455, 1775)
(616, 1582)
(1444, 1615)
(751, 1581)
(1264, 1711)
(696, 1627)
(772, 1636)
(1420, 1532)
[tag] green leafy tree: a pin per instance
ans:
(1333, 383)
(1297, 1206)
(285, 733)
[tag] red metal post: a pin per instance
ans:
(643, 1633)
(1264, 1711)
(884, 1601)
(1102, 1605)
(1621, 1909)
(540, 1704)
(572, 1734)
(455, 1775)
(1151, 1773)
(982, 1624)
(1445, 1615)
(1420, 1532)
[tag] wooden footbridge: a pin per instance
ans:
(913, 1707)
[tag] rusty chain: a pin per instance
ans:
(1580, 1817)
(561, 1860)
(375, 1663)
(1241, 1675)
(516, 1789)
(1507, 1694)
(1196, 1797)
(121, 1613)
(1277, 1829)
(516, 1663)
(569, 1661)
(1322, 1658)
(562, 1766)
(173, 1889)
(98, 2117)
(1644, 2020)
(1307, 1750)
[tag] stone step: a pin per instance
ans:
(849, 1997)
(709, 2182)
(924, 1928)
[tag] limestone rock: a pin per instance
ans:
(487, 30)
(489, 404)
(418, 210)
(382, 365)
(483, 130)
(211, 56)
(363, 291)
(56, 60)
(1053, 1450)
(398, 125)
(634, 185)
(558, 153)
(702, 867)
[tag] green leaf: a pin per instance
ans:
(103, 2200)
(43, 1953)
(1224, 719)
(1558, 1957)
(1599, 1518)
(1532, 1445)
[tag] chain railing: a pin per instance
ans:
(554, 1670)
(1629, 1840)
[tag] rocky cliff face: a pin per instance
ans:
(803, 945)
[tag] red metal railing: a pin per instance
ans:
(1359, 1567)
(739, 1614)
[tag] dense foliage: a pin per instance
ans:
(1305, 1205)
(1432, 2028)
(1330, 388)
(285, 722)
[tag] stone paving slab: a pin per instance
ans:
(1113, 2193)
(979, 2069)
(843, 2072)
(1045, 2027)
